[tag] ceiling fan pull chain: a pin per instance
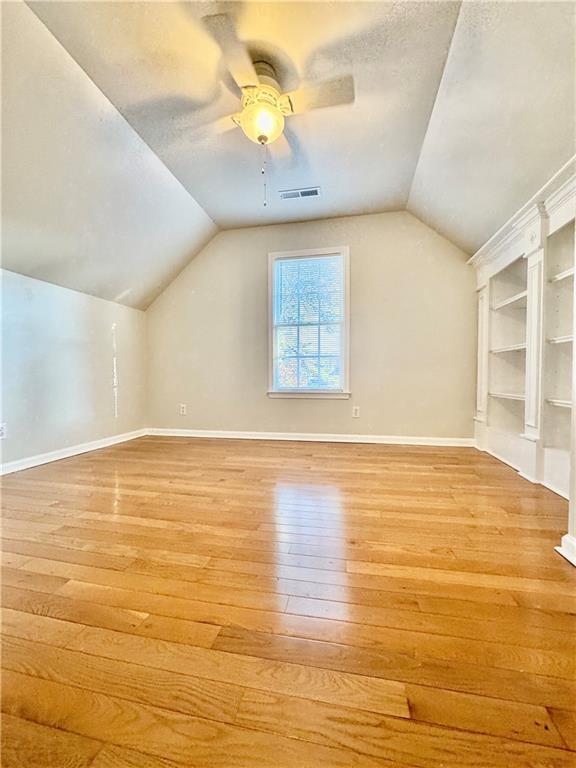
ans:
(264, 169)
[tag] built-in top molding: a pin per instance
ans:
(549, 209)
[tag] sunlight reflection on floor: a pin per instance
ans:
(312, 515)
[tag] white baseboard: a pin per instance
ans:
(459, 442)
(555, 489)
(522, 474)
(75, 450)
(66, 453)
(508, 462)
(568, 548)
(525, 476)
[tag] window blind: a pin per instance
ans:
(308, 316)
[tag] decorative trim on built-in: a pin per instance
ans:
(520, 234)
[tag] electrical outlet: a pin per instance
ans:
(355, 411)
(3, 431)
(183, 409)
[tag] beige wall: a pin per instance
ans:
(57, 363)
(413, 335)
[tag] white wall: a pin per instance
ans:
(57, 367)
(413, 336)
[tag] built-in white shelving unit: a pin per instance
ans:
(559, 403)
(526, 326)
(510, 348)
(557, 367)
(506, 371)
(518, 301)
(508, 395)
(559, 276)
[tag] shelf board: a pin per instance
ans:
(559, 403)
(518, 301)
(562, 275)
(509, 348)
(560, 340)
(507, 395)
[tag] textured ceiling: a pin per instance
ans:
(461, 113)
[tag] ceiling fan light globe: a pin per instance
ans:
(262, 123)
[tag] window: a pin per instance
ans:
(309, 323)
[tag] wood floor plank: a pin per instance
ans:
(395, 741)
(161, 688)
(465, 712)
(16, 577)
(566, 724)
(332, 577)
(160, 732)
(506, 609)
(26, 550)
(86, 552)
(324, 685)
(28, 626)
(12, 560)
(460, 676)
(542, 659)
(81, 612)
(242, 598)
(394, 660)
(202, 634)
(435, 574)
(458, 710)
(105, 616)
(375, 553)
(544, 662)
(29, 745)
(118, 757)
(515, 627)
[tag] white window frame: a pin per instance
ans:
(339, 394)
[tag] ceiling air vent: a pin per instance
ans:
(292, 194)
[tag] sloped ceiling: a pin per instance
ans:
(503, 122)
(462, 112)
(86, 203)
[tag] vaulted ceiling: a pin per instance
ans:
(113, 177)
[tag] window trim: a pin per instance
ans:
(326, 394)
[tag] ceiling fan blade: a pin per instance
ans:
(281, 149)
(236, 56)
(167, 107)
(330, 93)
(223, 125)
(212, 129)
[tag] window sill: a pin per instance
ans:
(311, 395)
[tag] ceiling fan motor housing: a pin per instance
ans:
(266, 74)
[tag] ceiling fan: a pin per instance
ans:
(264, 107)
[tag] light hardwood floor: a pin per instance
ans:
(176, 602)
